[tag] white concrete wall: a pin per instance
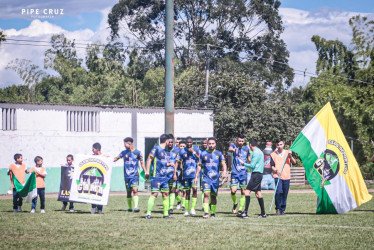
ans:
(42, 130)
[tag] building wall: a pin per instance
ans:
(42, 130)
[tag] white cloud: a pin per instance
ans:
(300, 26)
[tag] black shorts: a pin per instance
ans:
(254, 183)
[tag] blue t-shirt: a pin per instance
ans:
(172, 157)
(131, 162)
(189, 162)
(159, 166)
(210, 164)
(237, 167)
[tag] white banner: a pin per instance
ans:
(91, 182)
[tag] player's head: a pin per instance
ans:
(280, 144)
(204, 143)
(164, 138)
(240, 140)
(18, 158)
(177, 141)
(128, 142)
(170, 143)
(212, 142)
(69, 159)
(182, 144)
(189, 142)
(171, 137)
(253, 143)
(96, 148)
(38, 160)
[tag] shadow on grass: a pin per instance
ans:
(365, 211)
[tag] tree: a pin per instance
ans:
(238, 30)
(2, 36)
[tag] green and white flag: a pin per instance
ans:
(27, 191)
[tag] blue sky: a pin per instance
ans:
(86, 20)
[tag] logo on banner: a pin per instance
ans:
(91, 179)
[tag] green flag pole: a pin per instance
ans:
(275, 191)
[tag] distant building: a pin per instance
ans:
(56, 130)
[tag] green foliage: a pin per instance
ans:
(2, 36)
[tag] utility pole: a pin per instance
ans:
(169, 68)
(207, 75)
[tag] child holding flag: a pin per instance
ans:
(18, 170)
(41, 173)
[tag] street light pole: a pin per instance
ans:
(169, 68)
(207, 74)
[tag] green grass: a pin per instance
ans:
(301, 227)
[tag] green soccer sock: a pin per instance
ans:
(202, 199)
(171, 200)
(183, 202)
(136, 201)
(165, 204)
(233, 197)
(242, 203)
(151, 202)
(206, 207)
(193, 203)
(188, 202)
(178, 198)
(213, 207)
(129, 200)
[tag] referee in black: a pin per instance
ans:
(254, 184)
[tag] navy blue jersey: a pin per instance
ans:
(172, 157)
(131, 162)
(237, 167)
(160, 160)
(189, 162)
(210, 164)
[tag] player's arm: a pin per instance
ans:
(117, 158)
(224, 167)
(149, 161)
(142, 165)
(293, 161)
(197, 172)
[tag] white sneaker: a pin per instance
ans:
(178, 206)
(93, 210)
(63, 208)
(15, 210)
(32, 211)
(42, 211)
(19, 209)
(71, 210)
(193, 212)
(186, 213)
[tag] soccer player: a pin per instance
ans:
(279, 157)
(173, 154)
(203, 147)
(254, 184)
(189, 158)
(239, 152)
(209, 163)
(159, 182)
(131, 158)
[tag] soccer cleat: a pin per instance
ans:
(101, 212)
(136, 210)
(171, 211)
(235, 208)
(239, 214)
(15, 210)
(63, 208)
(212, 216)
(19, 209)
(278, 212)
(183, 209)
(206, 216)
(262, 216)
(282, 213)
(42, 211)
(71, 210)
(168, 217)
(129, 211)
(93, 210)
(193, 212)
(179, 205)
(148, 217)
(32, 211)
(245, 215)
(186, 213)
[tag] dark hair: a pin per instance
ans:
(278, 140)
(212, 139)
(163, 138)
(182, 142)
(188, 138)
(37, 158)
(17, 156)
(71, 156)
(253, 142)
(128, 139)
(178, 138)
(241, 136)
(96, 146)
(171, 136)
(204, 139)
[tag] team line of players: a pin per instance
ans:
(176, 170)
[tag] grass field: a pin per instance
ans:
(300, 228)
